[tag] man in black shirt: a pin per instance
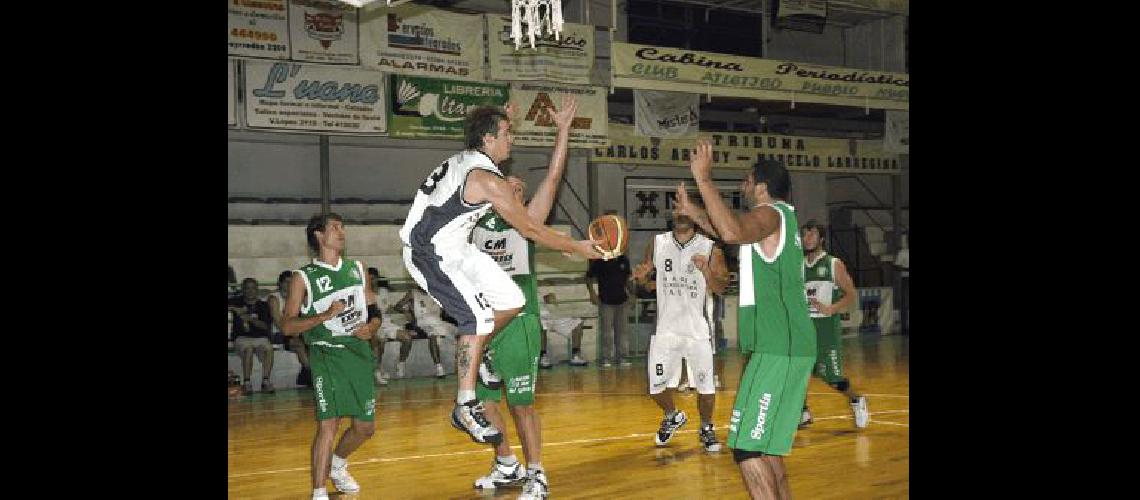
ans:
(251, 318)
(611, 277)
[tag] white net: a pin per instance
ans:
(539, 17)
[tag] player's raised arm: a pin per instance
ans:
(540, 205)
(486, 186)
(752, 226)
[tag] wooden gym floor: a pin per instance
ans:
(597, 428)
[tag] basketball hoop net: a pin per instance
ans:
(538, 21)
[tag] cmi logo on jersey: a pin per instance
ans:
(821, 272)
(733, 420)
(758, 431)
(370, 406)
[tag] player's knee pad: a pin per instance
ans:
(842, 385)
(742, 455)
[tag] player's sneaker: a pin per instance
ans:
(439, 371)
(669, 425)
(399, 370)
(469, 417)
(381, 379)
(536, 486)
(502, 475)
(266, 386)
(625, 363)
(486, 375)
(708, 439)
(861, 414)
(716, 382)
(247, 388)
(607, 364)
(342, 480)
(577, 360)
(321, 494)
(805, 419)
(544, 362)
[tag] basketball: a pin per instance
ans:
(613, 231)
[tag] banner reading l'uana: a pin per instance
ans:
(680, 70)
(741, 150)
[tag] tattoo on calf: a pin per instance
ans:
(463, 359)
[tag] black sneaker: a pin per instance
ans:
(669, 425)
(469, 417)
(708, 439)
(486, 376)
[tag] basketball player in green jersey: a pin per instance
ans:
(327, 306)
(515, 350)
(829, 292)
(774, 328)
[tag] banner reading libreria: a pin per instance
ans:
(590, 128)
(259, 28)
(414, 39)
(425, 108)
(293, 96)
(741, 150)
(570, 59)
(680, 70)
(323, 32)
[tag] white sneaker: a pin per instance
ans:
(321, 494)
(439, 371)
(544, 361)
(501, 475)
(342, 480)
(577, 360)
(805, 419)
(380, 378)
(399, 370)
(861, 413)
(607, 364)
(625, 363)
(536, 487)
(716, 382)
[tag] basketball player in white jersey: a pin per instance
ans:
(467, 283)
(689, 267)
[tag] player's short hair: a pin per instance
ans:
(318, 223)
(247, 280)
(374, 272)
(480, 121)
(773, 173)
(284, 276)
(812, 224)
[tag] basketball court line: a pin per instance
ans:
(559, 394)
(519, 447)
